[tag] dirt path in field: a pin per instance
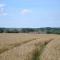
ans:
(11, 46)
(11, 41)
(30, 49)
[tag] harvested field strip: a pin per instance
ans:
(25, 46)
(28, 51)
(14, 45)
(23, 52)
(52, 51)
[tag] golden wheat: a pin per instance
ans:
(20, 46)
(51, 51)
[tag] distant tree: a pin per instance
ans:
(42, 29)
(12, 31)
(1, 30)
(26, 30)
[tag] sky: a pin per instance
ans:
(29, 13)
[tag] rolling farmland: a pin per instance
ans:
(28, 46)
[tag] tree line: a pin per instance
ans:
(47, 30)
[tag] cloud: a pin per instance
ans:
(3, 14)
(2, 5)
(26, 11)
(3, 10)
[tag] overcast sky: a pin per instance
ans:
(29, 13)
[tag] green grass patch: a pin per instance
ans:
(38, 52)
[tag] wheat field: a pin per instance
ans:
(28, 46)
(51, 51)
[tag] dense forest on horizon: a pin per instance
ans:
(45, 30)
